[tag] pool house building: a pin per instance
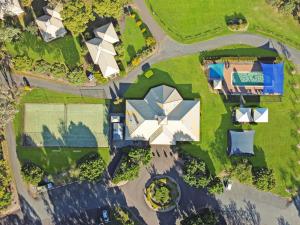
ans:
(247, 78)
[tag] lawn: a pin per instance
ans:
(200, 20)
(53, 160)
(63, 50)
(275, 142)
(133, 38)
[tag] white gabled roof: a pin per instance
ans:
(243, 115)
(108, 33)
(261, 115)
(102, 50)
(50, 25)
(163, 117)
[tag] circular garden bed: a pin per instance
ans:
(162, 194)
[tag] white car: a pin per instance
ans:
(105, 216)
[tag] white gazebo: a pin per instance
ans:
(260, 115)
(243, 115)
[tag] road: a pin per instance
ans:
(72, 204)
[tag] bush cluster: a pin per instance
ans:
(58, 70)
(130, 164)
(122, 216)
(196, 174)
(260, 177)
(91, 167)
(32, 173)
(5, 181)
(291, 7)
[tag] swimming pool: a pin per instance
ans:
(254, 78)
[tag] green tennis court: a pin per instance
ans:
(255, 78)
(70, 125)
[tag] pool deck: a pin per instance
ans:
(229, 88)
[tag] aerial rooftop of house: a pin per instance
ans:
(102, 50)
(50, 24)
(12, 8)
(163, 117)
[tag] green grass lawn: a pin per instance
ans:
(63, 50)
(133, 38)
(275, 142)
(53, 160)
(200, 20)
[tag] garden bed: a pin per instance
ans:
(162, 194)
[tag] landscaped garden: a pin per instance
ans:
(162, 194)
(275, 142)
(54, 160)
(198, 21)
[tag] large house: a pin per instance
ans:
(102, 50)
(163, 117)
(50, 24)
(10, 7)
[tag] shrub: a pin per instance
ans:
(77, 76)
(26, 3)
(206, 217)
(136, 61)
(32, 173)
(91, 167)
(120, 51)
(150, 41)
(59, 70)
(122, 216)
(99, 77)
(139, 23)
(41, 66)
(215, 186)
(5, 181)
(130, 164)
(263, 178)
(149, 73)
(144, 30)
(140, 155)
(162, 195)
(133, 15)
(242, 171)
(22, 63)
(196, 174)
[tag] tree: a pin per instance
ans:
(206, 217)
(109, 8)
(76, 14)
(91, 167)
(162, 195)
(263, 178)
(23, 63)
(5, 182)
(242, 171)
(32, 173)
(9, 34)
(140, 155)
(122, 216)
(215, 186)
(196, 174)
(9, 97)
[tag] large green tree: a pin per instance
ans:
(91, 167)
(196, 174)
(109, 8)
(32, 173)
(206, 217)
(76, 14)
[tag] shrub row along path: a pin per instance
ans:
(77, 202)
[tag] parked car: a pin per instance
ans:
(105, 216)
